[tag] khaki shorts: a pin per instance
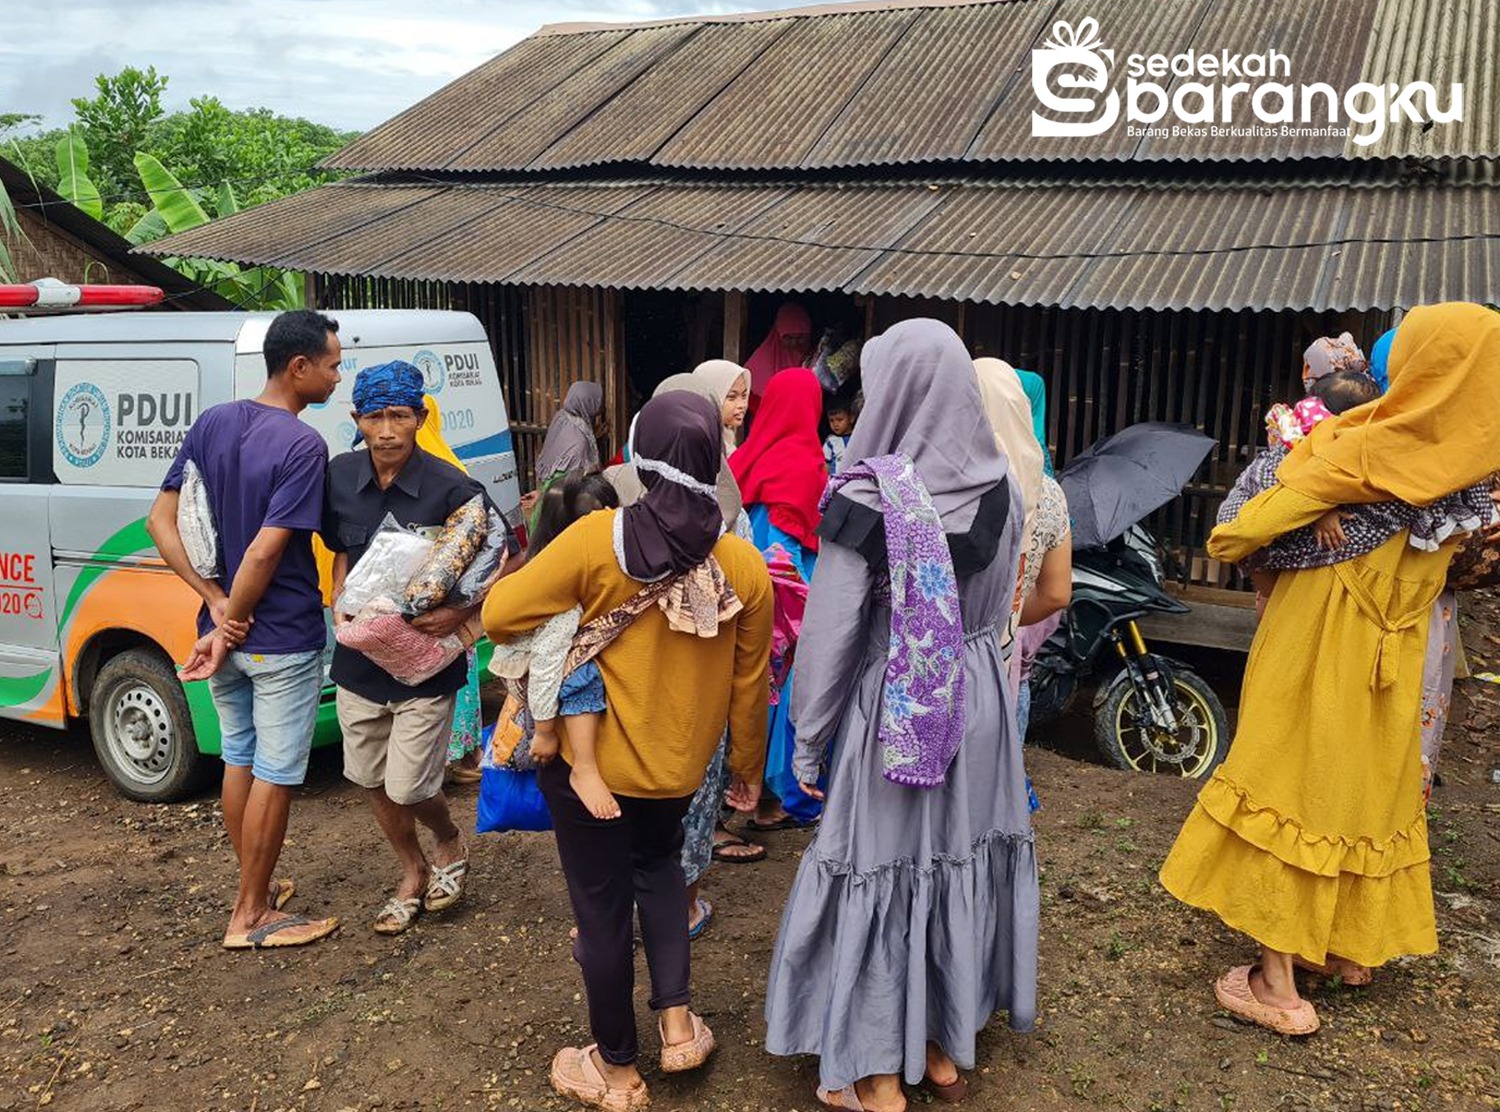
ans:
(402, 747)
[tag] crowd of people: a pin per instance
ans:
(846, 599)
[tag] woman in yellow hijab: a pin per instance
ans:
(1312, 836)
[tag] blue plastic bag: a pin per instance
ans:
(509, 799)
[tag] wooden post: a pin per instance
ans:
(734, 324)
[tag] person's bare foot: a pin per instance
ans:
(265, 931)
(941, 1069)
(881, 1093)
(618, 1077)
(1263, 992)
(591, 790)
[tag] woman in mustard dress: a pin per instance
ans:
(1312, 837)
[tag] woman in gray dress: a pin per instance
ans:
(913, 917)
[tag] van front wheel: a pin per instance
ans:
(138, 716)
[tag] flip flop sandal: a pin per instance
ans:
(1348, 972)
(446, 885)
(735, 842)
(705, 915)
(462, 774)
(270, 936)
(398, 915)
(1232, 990)
(282, 892)
(681, 1057)
(839, 1099)
(575, 1076)
(948, 1094)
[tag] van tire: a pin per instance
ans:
(143, 734)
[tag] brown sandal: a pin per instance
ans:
(1234, 995)
(684, 1056)
(575, 1076)
(1349, 973)
(951, 1093)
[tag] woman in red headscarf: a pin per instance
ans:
(790, 344)
(781, 474)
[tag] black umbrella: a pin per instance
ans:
(1117, 481)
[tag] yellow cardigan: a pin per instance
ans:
(668, 695)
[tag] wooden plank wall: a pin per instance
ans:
(573, 335)
(1218, 371)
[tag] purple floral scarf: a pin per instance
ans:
(922, 712)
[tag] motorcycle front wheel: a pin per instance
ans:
(1128, 738)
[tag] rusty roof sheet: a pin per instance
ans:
(1104, 245)
(921, 82)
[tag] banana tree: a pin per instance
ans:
(10, 232)
(175, 208)
(73, 175)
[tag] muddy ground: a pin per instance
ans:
(114, 993)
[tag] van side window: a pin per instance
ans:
(119, 422)
(15, 399)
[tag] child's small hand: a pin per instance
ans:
(1329, 530)
(544, 744)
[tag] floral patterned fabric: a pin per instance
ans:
(790, 592)
(1368, 527)
(1286, 424)
(922, 715)
(467, 722)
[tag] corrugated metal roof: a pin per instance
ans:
(1440, 42)
(920, 82)
(1077, 245)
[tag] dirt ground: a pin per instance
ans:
(114, 993)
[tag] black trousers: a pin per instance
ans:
(615, 867)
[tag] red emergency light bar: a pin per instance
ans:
(48, 295)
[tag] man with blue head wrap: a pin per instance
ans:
(395, 734)
(395, 385)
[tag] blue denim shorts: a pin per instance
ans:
(582, 691)
(268, 706)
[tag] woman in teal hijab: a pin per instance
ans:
(1036, 394)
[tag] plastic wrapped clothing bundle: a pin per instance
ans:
(389, 641)
(383, 572)
(452, 552)
(195, 523)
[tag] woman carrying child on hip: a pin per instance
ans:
(552, 690)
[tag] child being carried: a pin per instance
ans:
(539, 658)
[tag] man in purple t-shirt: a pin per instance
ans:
(261, 630)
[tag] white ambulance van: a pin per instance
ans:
(92, 411)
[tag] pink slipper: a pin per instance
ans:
(575, 1076)
(1348, 972)
(1233, 993)
(681, 1057)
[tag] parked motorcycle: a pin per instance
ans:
(1151, 713)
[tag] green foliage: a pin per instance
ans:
(9, 121)
(179, 209)
(262, 155)
(73, 175)
(10, 232)
(112, 161)
(117, 122)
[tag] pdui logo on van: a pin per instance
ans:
(83, 425)
(434, 375)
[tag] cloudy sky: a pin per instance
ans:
(350, 63)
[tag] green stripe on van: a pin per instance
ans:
(127, 542)
(23, 689)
